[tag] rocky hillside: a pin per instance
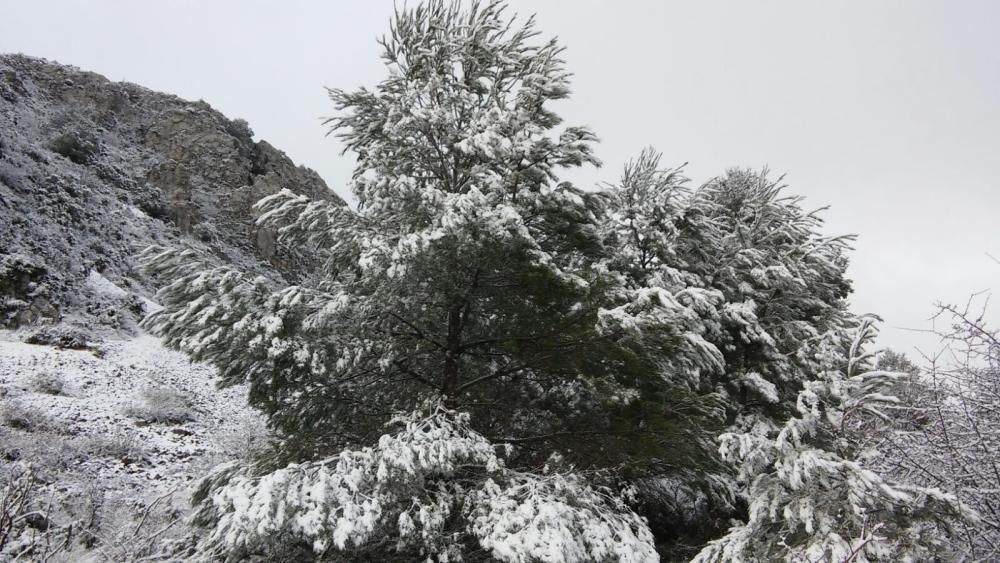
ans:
(91, 171)
(103, 432)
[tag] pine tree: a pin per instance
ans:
(812, 491)
(758, 289)
(468, 274)
(770, 284)
(468, 270)
(546, 353)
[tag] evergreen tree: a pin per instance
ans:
(813, 493)
(468, 274)
(554, 352)
(762, 292)
(468, 270)
(774, 284)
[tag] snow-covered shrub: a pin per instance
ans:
(944, 433)
(10, 175)
(83, 522)
(10, 309)
(14, 504)
(49, 451)
(123, 445)
(59, 336)
(240, 129)
(434, 489)
(19, 274)
(154, 205)
(15, 414)
(50, 383)
(205, 232)
(80, 146)
(133, 530)
(108, 303)
(23, 291)
(162, 405)
(26, 533)
(245, 439)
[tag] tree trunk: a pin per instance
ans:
(449, 380)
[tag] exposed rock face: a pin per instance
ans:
(92, 171)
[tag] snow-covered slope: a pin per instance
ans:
(113, 428)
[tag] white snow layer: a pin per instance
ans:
(100, 392)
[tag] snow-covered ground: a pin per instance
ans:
(121, 424)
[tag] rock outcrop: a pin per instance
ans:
(92, 171)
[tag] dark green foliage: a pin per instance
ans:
(82, 147)
(624, 329)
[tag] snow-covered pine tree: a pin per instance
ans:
(465, 266)
(623, 330)
(812, 492)
(772, 284)
(771, 292)
(760, 288)
(468, 270)
(783, 279)
(468, 273)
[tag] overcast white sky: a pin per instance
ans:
(888, 111)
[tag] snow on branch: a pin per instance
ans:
(434, 487)
(812, 498)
